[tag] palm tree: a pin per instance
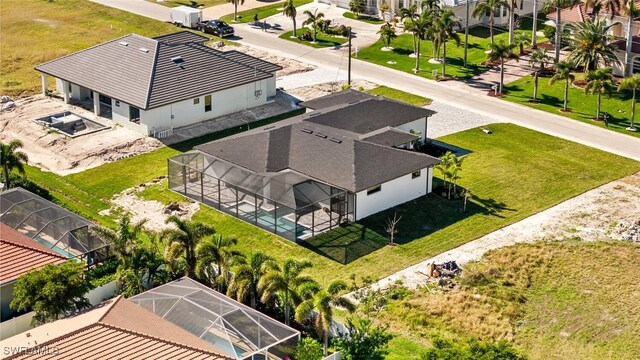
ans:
(488, 7)
(285, 280)
(512, 6)
(322, 302)
(430, 5)
(600, 81)
(235, 7)
(501, 51)
(522, 40)
(216, 250)
(557, 6)
(289, 10)
(631, 83)
(11, 158)
(418, 26)
(312, 19)
(540, 59)
(406, 14)
(590, 44)
(534, 30)
(247, 275)
(386, 34)
(182, 242)
(445, 25)
(356, 7)
(564, 73)
(123, 240)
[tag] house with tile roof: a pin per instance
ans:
(115, 329)
(342, 162)
(151, 85)
(19, 254)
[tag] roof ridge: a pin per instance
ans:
(153, 74)
(111, 306)
(53, 254)
(220, 54)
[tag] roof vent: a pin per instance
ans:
(144, 50)
(320, 135)
(178, 60)
(269, 127)
(315, 113)
(308, 131)
(123, 43)
(337, 141)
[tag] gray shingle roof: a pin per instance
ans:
(339, 98)
(152, 79)
(391, 137)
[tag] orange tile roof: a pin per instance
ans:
(570, 15)
(116, 329)
(19, 254)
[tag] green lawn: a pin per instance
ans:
(364, 18)
(403, 46)
(323, 40)
(583, 105)
(200, 4)
(263, 12)
(36, 31)
(400, 95)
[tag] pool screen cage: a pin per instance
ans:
(286, 203)
(237, 330)
(49, 224)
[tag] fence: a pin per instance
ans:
(335, 356)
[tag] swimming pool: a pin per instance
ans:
(54, 248)
(266, 219)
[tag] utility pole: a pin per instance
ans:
(349, 63)
(466, 33)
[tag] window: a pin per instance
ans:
(196, 101)
(118, 103)
(415, 174)
(134, 114)
(374, 189)
(104, 99)
(207, 103)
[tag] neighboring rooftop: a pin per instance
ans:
(339, 98)
(391, 137)
(570, 15)
(19, 254)
(115, 329)
(149, 73)
(238, 330)
(635, 46)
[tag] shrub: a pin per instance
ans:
(308, 349)
(472, 349)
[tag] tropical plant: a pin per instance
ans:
(406, 14)
(322, 303)
(590, 44)
(289, 10)
(521, 40)
(357, 7)
(123, 239)
(235, 7)
(51, 292)
(11, 158)
(557, 6)
(600, 81)
(488, 7)
(564, 72)
(247, 275)
(430, 5)
(501, 51)
(312, 19)
(144, 262)
(631, 83)
(308, 349)
(285, 280)
(444, 31)
(363, 340)
(387, 33)
(181, 243)
(539, 59)
(471, 349)
(215, 258)
(418, 26)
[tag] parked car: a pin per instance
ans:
(216, 27)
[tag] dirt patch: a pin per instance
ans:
(63, 155)
(289, 66)
(153, 211)
(315, 91)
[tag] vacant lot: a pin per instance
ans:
(552, 300)
(512, 173)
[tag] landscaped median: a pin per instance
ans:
(322, 40)
(364, 18)
(262, 12)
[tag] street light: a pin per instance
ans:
(466, 32)
(349, 63)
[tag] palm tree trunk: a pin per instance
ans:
(628, 56)
(491, 27)
(315, 29)
(286, 307)
(558, 34)
(501, 74)
(418, 57)
(253, 297)
(566, 94)
(235, 10)
(414, 43)
(512, 25)
(444, 60)
(598, 106)
(294, 26)
(534, 40)
(5, 168)
(535, 86)
(325, 341)
(633, 108)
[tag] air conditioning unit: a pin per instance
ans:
(257, 93)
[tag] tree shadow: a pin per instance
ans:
(346, 243)
(492, 207)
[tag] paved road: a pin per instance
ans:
(336, 59)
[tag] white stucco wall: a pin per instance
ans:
(416, 125)
(393, 193)
(120, 115)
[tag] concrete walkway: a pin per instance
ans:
(218, 11)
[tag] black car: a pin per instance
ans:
(216, 27)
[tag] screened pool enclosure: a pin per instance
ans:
(286, 203)
(47, 223)
(235, 329)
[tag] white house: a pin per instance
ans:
(154, 84)
(342, 162)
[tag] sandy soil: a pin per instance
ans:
(61, 154)
(315, 91)
(609, 212)
(289, 66)
(153, 211)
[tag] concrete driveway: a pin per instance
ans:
(140, 7)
